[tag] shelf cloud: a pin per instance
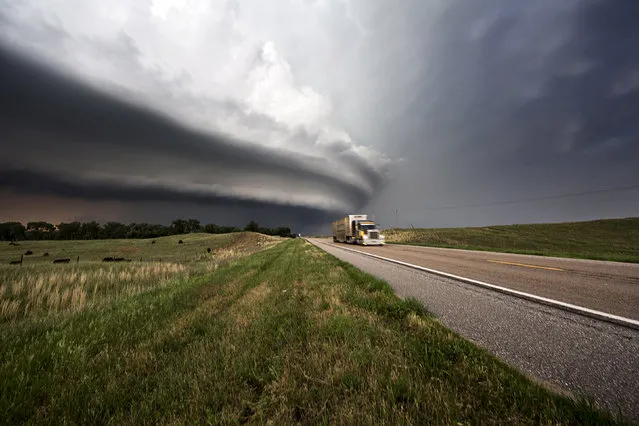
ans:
(297, 111)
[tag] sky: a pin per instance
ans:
(424, 113)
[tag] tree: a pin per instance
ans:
(228, 229)
(252, 226)
(12, 231)
(179, 226)
(40, 231)
(69, 231)
(193, 225)
(211, 228)
(158, 231)
(144, 230)
(90, 230)
(115, 230)
(283, 231)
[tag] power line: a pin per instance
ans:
(548, 197)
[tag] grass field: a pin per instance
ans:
(286, 335)
(607, 239)
(40, 287)
(159, 249)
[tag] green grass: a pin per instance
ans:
(40, 287)
(286, 335)
(164, 249)
(606, 239)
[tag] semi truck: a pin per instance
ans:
(357, 229)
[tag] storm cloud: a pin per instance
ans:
(71, 140)
(517, 111)
(428, 113)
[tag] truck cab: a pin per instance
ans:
(357, 229)
(366, 233)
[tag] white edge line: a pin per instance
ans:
(627, 322)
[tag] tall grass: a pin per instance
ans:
(36, 290)
(40, 288)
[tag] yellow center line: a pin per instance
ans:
(524, 265)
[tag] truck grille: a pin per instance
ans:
(373, 235)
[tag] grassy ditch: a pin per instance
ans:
(606, 239)
(287, 335)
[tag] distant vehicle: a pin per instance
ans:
(357, 229)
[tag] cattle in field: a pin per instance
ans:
(61, 260)
(115, 259)
(28, 252)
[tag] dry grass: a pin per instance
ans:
(244, 310)
(33, 290)
(41, 288)
(226, 253)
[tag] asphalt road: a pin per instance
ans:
(610, 287)
(567, 351)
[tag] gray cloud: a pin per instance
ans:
(484, 101)
(149, 204)
(501, 100)
(66, 138)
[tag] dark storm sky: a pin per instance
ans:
(452, 113)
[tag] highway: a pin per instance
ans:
(567, 351)
(611, 287)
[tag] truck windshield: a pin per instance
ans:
(366, 226)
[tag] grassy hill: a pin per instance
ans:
(260, 331)
(194, 247)
(606, 239)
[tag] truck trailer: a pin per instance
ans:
(357, 229)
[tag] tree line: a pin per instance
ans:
(16, 231)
